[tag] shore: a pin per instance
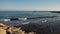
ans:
(36, 26)
(12, 30)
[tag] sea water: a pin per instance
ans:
(25, 14)
(36, 18)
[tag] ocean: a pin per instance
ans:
(33, 17)
(43, 19)
(24, 14)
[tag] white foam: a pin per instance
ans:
(6, 20)
(44, 21)
(22, 18)
(26, 23)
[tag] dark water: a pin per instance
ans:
(53, 23)
(24, 14)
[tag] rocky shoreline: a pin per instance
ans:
(12, 30)
(32, 28)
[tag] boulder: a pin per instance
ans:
(2, 31)
(2, 25)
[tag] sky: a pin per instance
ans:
(30, 5)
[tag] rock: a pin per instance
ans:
(12, 30)
(2, 31)
(2, 25)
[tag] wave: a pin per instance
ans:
(55, 12)
(42, 17)
(11, 19)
